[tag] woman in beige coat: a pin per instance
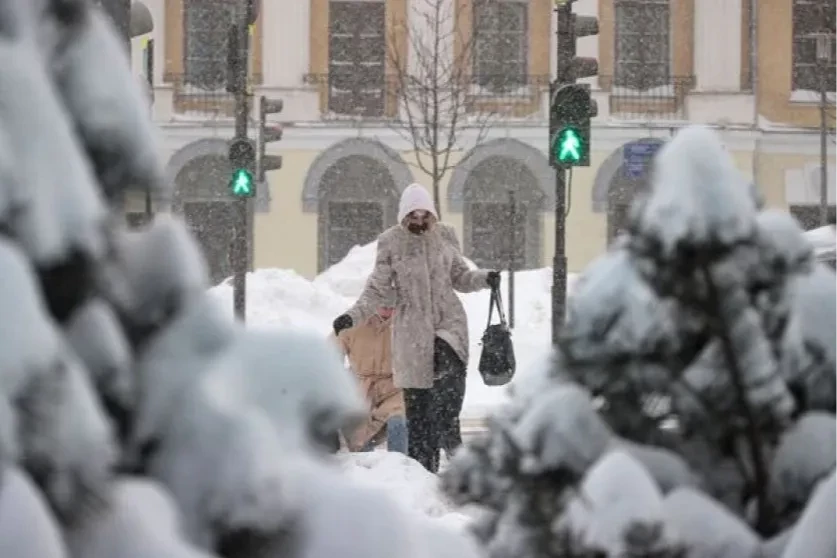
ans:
(420, 259)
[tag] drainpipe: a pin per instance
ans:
(754, 85)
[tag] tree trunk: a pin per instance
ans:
(437, 201)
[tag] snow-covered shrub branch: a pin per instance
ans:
(137, 420)
(693, 385)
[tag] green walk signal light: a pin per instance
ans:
(568, 148)
(242, 185)
(242, 157)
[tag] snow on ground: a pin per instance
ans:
(279, 298)
(824, 239)
(407, 482)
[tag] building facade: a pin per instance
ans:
(747, 67)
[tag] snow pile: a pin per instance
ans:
(404, 479)
(824, 240)
(282, 299)
(690, 408)
(137, 419)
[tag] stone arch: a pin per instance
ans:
(509, 148)
(491, 231)
(198, 175)
(614, 189)
(354, 187)
(608, 174)
(373, 149)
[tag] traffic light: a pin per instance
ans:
(242, 159)
(268, 134)
(571, 109)
(236, 61)
(140, 20)
(571, 105)
(572, 27)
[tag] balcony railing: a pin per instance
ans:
(511, 96)
(202, 100)
(663, 99)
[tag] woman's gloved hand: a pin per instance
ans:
(343, 321)
(493, 279)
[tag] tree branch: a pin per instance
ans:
(433, 87)
(764, 522)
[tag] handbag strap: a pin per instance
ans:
(496, 300)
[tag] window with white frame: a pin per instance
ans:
(642, 57)
(206, 26)
(812, 17)
(500, 44)
(357, 56)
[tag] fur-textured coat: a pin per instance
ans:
(424, 270)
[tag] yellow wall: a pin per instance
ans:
(586, 231)
(287, 237)
(772, 175)
(775, 55)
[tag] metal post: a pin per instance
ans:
(240, 236)
(512, 253)
(559, 262)
(149, 76)
(823, 57)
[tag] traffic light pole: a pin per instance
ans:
(559, 261)
(571, 108)
(240, 255)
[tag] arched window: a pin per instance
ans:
(501, 229)
(200, 193)
(358, 201)
(632, 177)
(642, 58)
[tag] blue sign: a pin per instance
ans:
(636, 157)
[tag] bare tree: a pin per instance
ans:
(433, 86)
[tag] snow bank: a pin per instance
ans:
(278, 298)
(824, 240)
(404, 479)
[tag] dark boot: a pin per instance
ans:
(449, 394)
(422, 437)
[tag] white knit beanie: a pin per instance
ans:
(415, 196)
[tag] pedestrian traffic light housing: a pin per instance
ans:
(242, 156)
(572, 27)
(571, 110)
(141, 21)
(268, 134)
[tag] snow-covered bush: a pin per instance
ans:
(689, 408)
(137, 420)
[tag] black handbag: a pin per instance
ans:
(497, 362)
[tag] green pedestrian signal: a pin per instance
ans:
(242, 185)
(568, 148)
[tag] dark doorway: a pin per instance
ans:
(213, 224)
(352, 224)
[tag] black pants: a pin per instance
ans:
(433, 414)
